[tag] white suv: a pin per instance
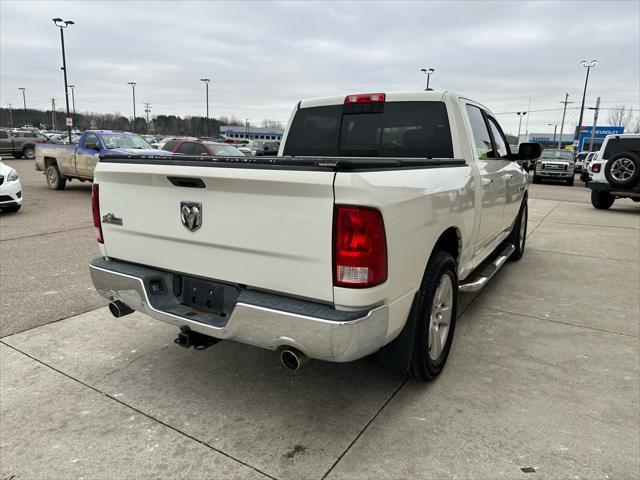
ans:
(615, 172)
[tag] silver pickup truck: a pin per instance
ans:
(64, 162)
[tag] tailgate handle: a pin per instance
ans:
(187, 182)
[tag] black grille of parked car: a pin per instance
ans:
(1, 179)
(5, 198)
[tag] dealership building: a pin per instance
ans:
(547, 140)
(252, 133)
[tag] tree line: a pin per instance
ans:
(160, 124)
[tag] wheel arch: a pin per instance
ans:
(48, 161)
(450, 241)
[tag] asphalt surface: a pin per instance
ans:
(543, 380)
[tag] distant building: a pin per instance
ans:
(546, 139)
(252, 133)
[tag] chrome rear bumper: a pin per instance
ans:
(327, 334)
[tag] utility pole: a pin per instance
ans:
(206, 125)
(24, 98)
(62, 24)
(246, 126)
(526, 128)
(10, 115)
(588, 66)
(520, 115)
(133, 89)
(53, 114)
(147, 109)
(595, 122)
(564, 112)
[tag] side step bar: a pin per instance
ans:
(489, 271)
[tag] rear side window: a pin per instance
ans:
(620, 144)
(392, 129)
(199, 149)
(187, 148)
(169, 146)
(3, 134)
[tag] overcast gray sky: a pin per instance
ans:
(264, 56)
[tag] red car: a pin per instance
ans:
(201, 147)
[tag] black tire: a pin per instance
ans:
(29, 153)
(11, 209)
(422, 366)
(54, 179)
(570, 182)
(601, 200)
(623, 170)
(518, 236)
(536, 179)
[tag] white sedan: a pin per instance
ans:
(10, 189)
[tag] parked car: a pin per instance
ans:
(199, 147)
(579, 161)
(65, 162)
(588, 159)
(615, 172)
(260, 147)
(10, 189)
(554, 165)
(355, 242)
(20, 144)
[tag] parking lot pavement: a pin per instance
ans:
(44, 252)
(544, 374)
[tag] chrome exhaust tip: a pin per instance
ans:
(119, 309)
(293, 359)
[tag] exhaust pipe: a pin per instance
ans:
(119, 309)
(293, 359)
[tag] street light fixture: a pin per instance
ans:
(520, 115)
(427, 72)
(62, 24)
(206, 126)
(133, 90)
(73, 99)
(588, 66)
(24, 98)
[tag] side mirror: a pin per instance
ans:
(529, 151)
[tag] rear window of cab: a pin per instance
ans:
(390, 129)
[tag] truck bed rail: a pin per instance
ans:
(335, 164)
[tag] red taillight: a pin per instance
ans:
(359, 247)
(595, 168)
(95, 207)
(365, 98)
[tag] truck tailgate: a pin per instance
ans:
(265, 228)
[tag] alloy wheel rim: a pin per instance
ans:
(623, 169)
(51, 177)
(440, 317)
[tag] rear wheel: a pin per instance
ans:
(29, 153)
(601, 200)
(54, 179)
(434, 309)
(518, 236)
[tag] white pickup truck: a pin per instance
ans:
(353, 241)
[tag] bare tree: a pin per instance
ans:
(620, 116)
(268, 123)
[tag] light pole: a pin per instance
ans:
(520, 115)
(62, 24)
(24, 98)
(10, 105)
(133, 90)
(555, 128)
(73, 99)
(246, 127)
(564, 112)
(206, 85)
(588, 66)
(427, 72)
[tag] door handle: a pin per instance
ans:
(487, 181)
(508, 176)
